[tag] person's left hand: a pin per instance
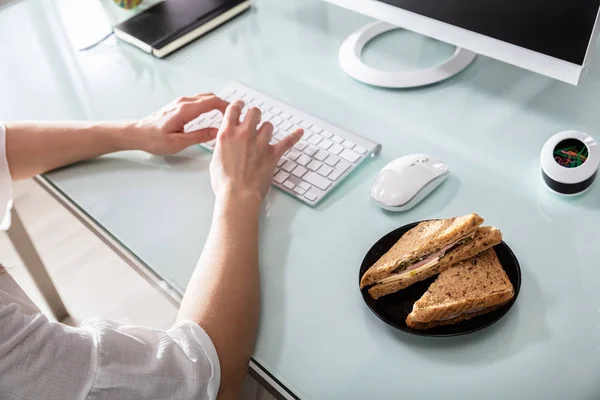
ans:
(162, 132)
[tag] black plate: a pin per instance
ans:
(394, 308)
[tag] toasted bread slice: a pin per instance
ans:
(485, 238)
(426, 238)
(470, 288)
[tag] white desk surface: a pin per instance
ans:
(316, 335)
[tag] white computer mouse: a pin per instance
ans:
(404, 182)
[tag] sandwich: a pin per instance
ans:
(426, 250)
(484, 238)
(470, 288)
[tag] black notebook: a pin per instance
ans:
(171, 24)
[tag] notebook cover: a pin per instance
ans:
(169, 20)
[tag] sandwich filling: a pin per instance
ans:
(410, 269)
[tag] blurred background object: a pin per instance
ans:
(128, 4)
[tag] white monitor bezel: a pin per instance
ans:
(476, 42)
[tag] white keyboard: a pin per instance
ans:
(315, 165)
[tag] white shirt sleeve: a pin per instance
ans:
(141, 363)
(100, 359)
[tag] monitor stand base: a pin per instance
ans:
(351, 62)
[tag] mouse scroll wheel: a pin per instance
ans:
(422, 160)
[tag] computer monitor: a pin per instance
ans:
(551, 37)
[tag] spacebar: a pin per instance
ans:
(317, 180)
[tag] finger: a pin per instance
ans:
(287, 143)
(198, 96)
(180, 141)
(265, 132)
(232, 114)
(188, 111)
(252, 119)
(201, 135)
(184, 99)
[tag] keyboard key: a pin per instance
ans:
(314, 165)
(301, 145)
(336, 149)
(273, 141)
(276, 171)
(299, 190)
(276, 120)
(317, 180)
(281, 177)
(289, 185)
(219, 117)
(327, 134)
(295, 180)
(292, 154)
(275, 110)
(299, 171)
(267, 117)
(212, 114)
(339, 170)
(331, 160)
(294, 128)
(285, 125)
(304, 185)
(303, 159)
(325, 144)
(321, 155)
(203, 123)
(325, 170)
(296, 120)
(360, 149)
(288, 166)
(285, 115)
(279, 135)
(310, 150)
(348, 144)
(310, 196)
(337, 139)
(316, 129)
(305, 125)
(314, 139)
(350, 155)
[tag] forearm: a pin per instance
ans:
(223, 295)
(34, 148)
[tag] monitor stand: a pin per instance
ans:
(351, 62)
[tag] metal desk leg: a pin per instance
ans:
(26, 250)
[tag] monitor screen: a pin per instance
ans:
(558, 28)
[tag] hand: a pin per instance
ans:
(162, 132)
(244, 161)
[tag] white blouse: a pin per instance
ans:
(99, 359)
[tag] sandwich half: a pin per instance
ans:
(468, 289)
(416, 254)
(485, 237)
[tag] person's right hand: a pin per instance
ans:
(243, 162)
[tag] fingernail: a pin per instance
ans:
(238, 103)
